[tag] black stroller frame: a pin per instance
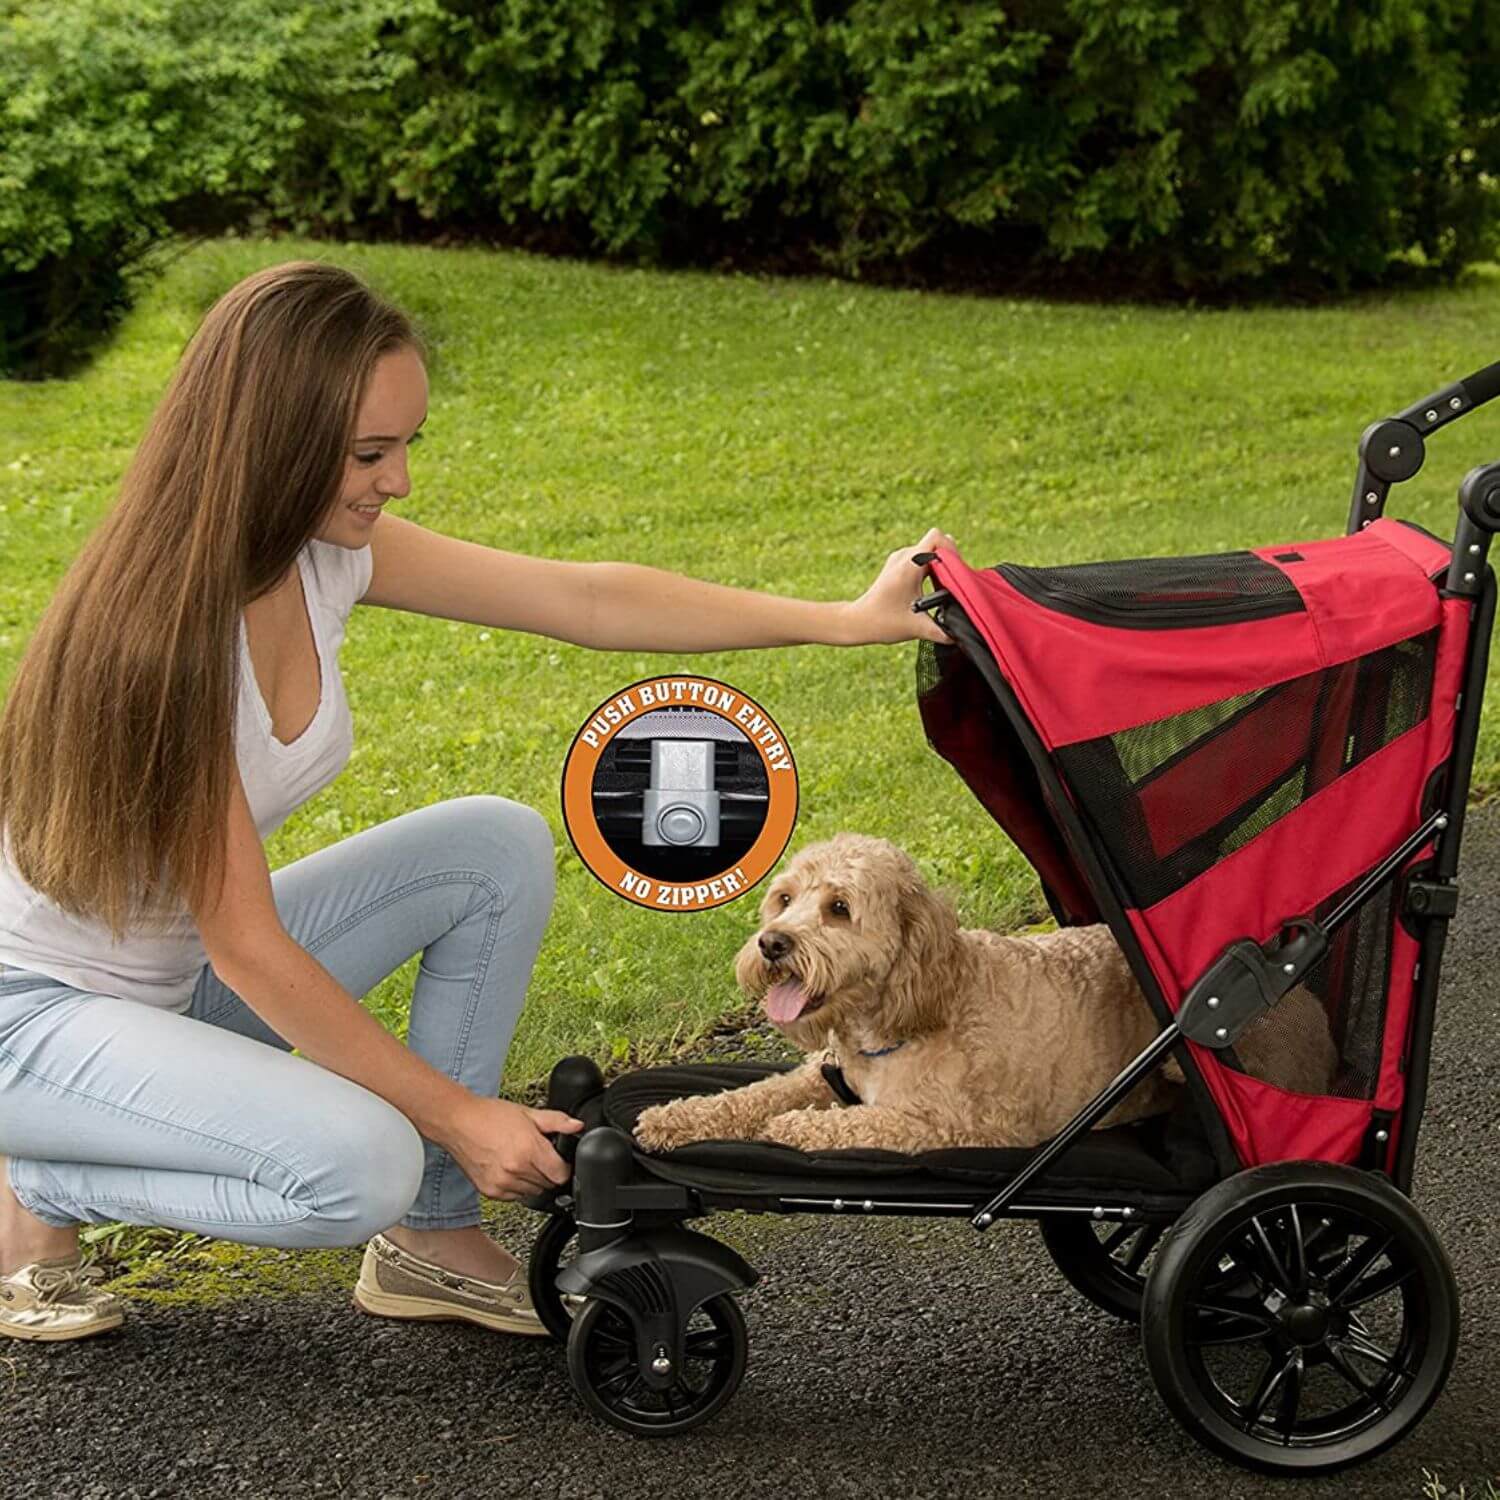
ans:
(657, 1344)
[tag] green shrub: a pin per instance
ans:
(122, 118)
(1227, 145)
(1312, 142)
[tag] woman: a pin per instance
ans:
(178, 700)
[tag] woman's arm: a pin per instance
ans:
(647, 609)
(628, 607)
(499, 1145)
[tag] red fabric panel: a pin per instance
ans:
(1360, 589)
(1390, 1090)
(1172, 990)
(1303, 857)
(1426, 552)
(1448, 678)
(1264, 1123)
(1283, 1126)
(1235, 1124)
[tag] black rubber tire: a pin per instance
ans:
(592, 1343)
(1103, 1270)
(541, 1275)
(1289, 1258)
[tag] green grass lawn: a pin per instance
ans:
(783, 435)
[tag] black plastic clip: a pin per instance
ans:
(935, 600)
(1246, 980)
(1431, 898)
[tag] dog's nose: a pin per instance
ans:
(774, 946)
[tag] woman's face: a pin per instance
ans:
(394, 407)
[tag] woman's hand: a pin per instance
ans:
(502, 1150)
(883, 613)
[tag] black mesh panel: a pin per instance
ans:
(1156, 591)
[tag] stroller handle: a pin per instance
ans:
(1393, 450)
(1483, 385)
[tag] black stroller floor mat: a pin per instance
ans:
(1163, 1158)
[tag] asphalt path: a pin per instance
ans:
(888, 1357)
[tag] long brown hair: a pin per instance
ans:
(116, 740)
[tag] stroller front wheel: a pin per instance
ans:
(603, 1360)
(1300, 1317)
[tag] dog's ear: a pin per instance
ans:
(925, 959)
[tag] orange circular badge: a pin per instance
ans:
(679, 793)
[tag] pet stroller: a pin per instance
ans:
(1254, 767)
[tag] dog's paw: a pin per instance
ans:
(664, 1127)
(789, 1129)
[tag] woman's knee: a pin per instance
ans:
(509, 825)
(370, 1171)
(509, 841)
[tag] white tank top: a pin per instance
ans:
(160, 966)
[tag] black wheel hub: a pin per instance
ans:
(1306, 1323)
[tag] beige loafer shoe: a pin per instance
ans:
(394, 1283)
(57, 1299)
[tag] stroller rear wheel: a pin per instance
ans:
(603, 1360)
(1300, 1317)
(1105, 1260)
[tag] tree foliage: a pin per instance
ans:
(120, 119)
(1219, 144)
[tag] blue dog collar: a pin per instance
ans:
(882, 1051)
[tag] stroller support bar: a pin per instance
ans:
(1086, 1118)
(1478, 520)
(1383, 872)
(927, 1208)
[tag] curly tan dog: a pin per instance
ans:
(950, 1037)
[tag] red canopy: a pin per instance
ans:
(1238, 739)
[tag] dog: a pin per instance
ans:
(949, 1036)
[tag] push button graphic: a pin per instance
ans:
(679, 793)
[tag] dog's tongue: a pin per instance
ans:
(784, 1001)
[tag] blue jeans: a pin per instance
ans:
(115, 1110)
